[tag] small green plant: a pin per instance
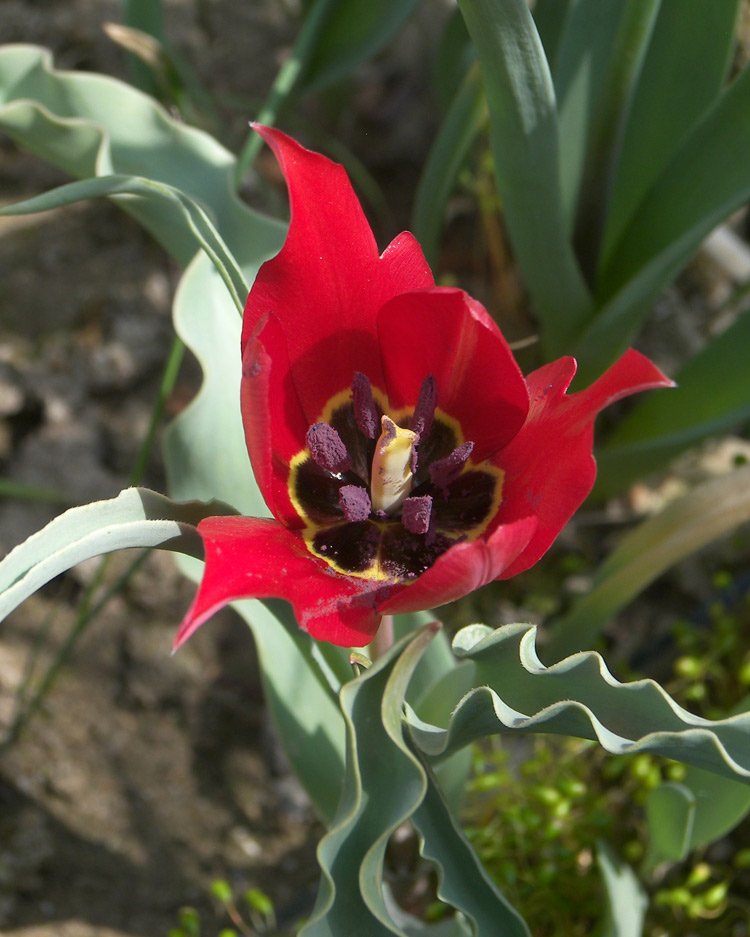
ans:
(712, 671)
(257, 917)
(535, 819)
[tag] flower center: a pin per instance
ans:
(383, 495)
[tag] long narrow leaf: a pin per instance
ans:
(708, 511)
(135, 518)
(671, 96)
(353, 31)
(93, 125)
(708, 178)
(525, 144)
(147, 16)
(712, 396)
(206, 455)
(383, 786)
(457, 133)
(584, 50)
(192, 216)
(626, 899)
(608, 129)
(550, 17)
(302, 700)
(211, 424)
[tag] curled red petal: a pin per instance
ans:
(462, 569)
(328, 282)
(254, 558)
(272, 416)
(549, 466)
(446, 333)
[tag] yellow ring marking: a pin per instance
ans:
(375, 573)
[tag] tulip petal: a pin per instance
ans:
(444, 332)
(328, 282)
(549, 466)
(272, 415)
(462, 569)
(254, 558)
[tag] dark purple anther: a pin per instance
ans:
(424, 411)
(415, 514)
(355, 503)
(445, 470)
(365, 411)
(327, 448)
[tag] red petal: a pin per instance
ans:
(252, 558)
(445, 332)
(274, 422)
(549, 467)
(464, 568)
(328, 282)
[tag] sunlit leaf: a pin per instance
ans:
(626, 901)
(92, 125)
(711, 397)
(190, 216)
(135, 518)
(462, 880)
(385, 784)
(670, 811)
(708, 511)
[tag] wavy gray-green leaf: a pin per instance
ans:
(578, 697)
(385, 784)
(137, 517)
(191, 216)
(94, 125)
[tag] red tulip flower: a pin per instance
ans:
(404, 457)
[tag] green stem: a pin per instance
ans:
(383, 639)
(608, 130)
(169, 378)
(87, 613)
(284, 82)
(9, 488)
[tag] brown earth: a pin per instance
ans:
(142, 777)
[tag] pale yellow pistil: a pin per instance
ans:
(392, 478)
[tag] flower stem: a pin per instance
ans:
(383, 638)
(284, 83)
